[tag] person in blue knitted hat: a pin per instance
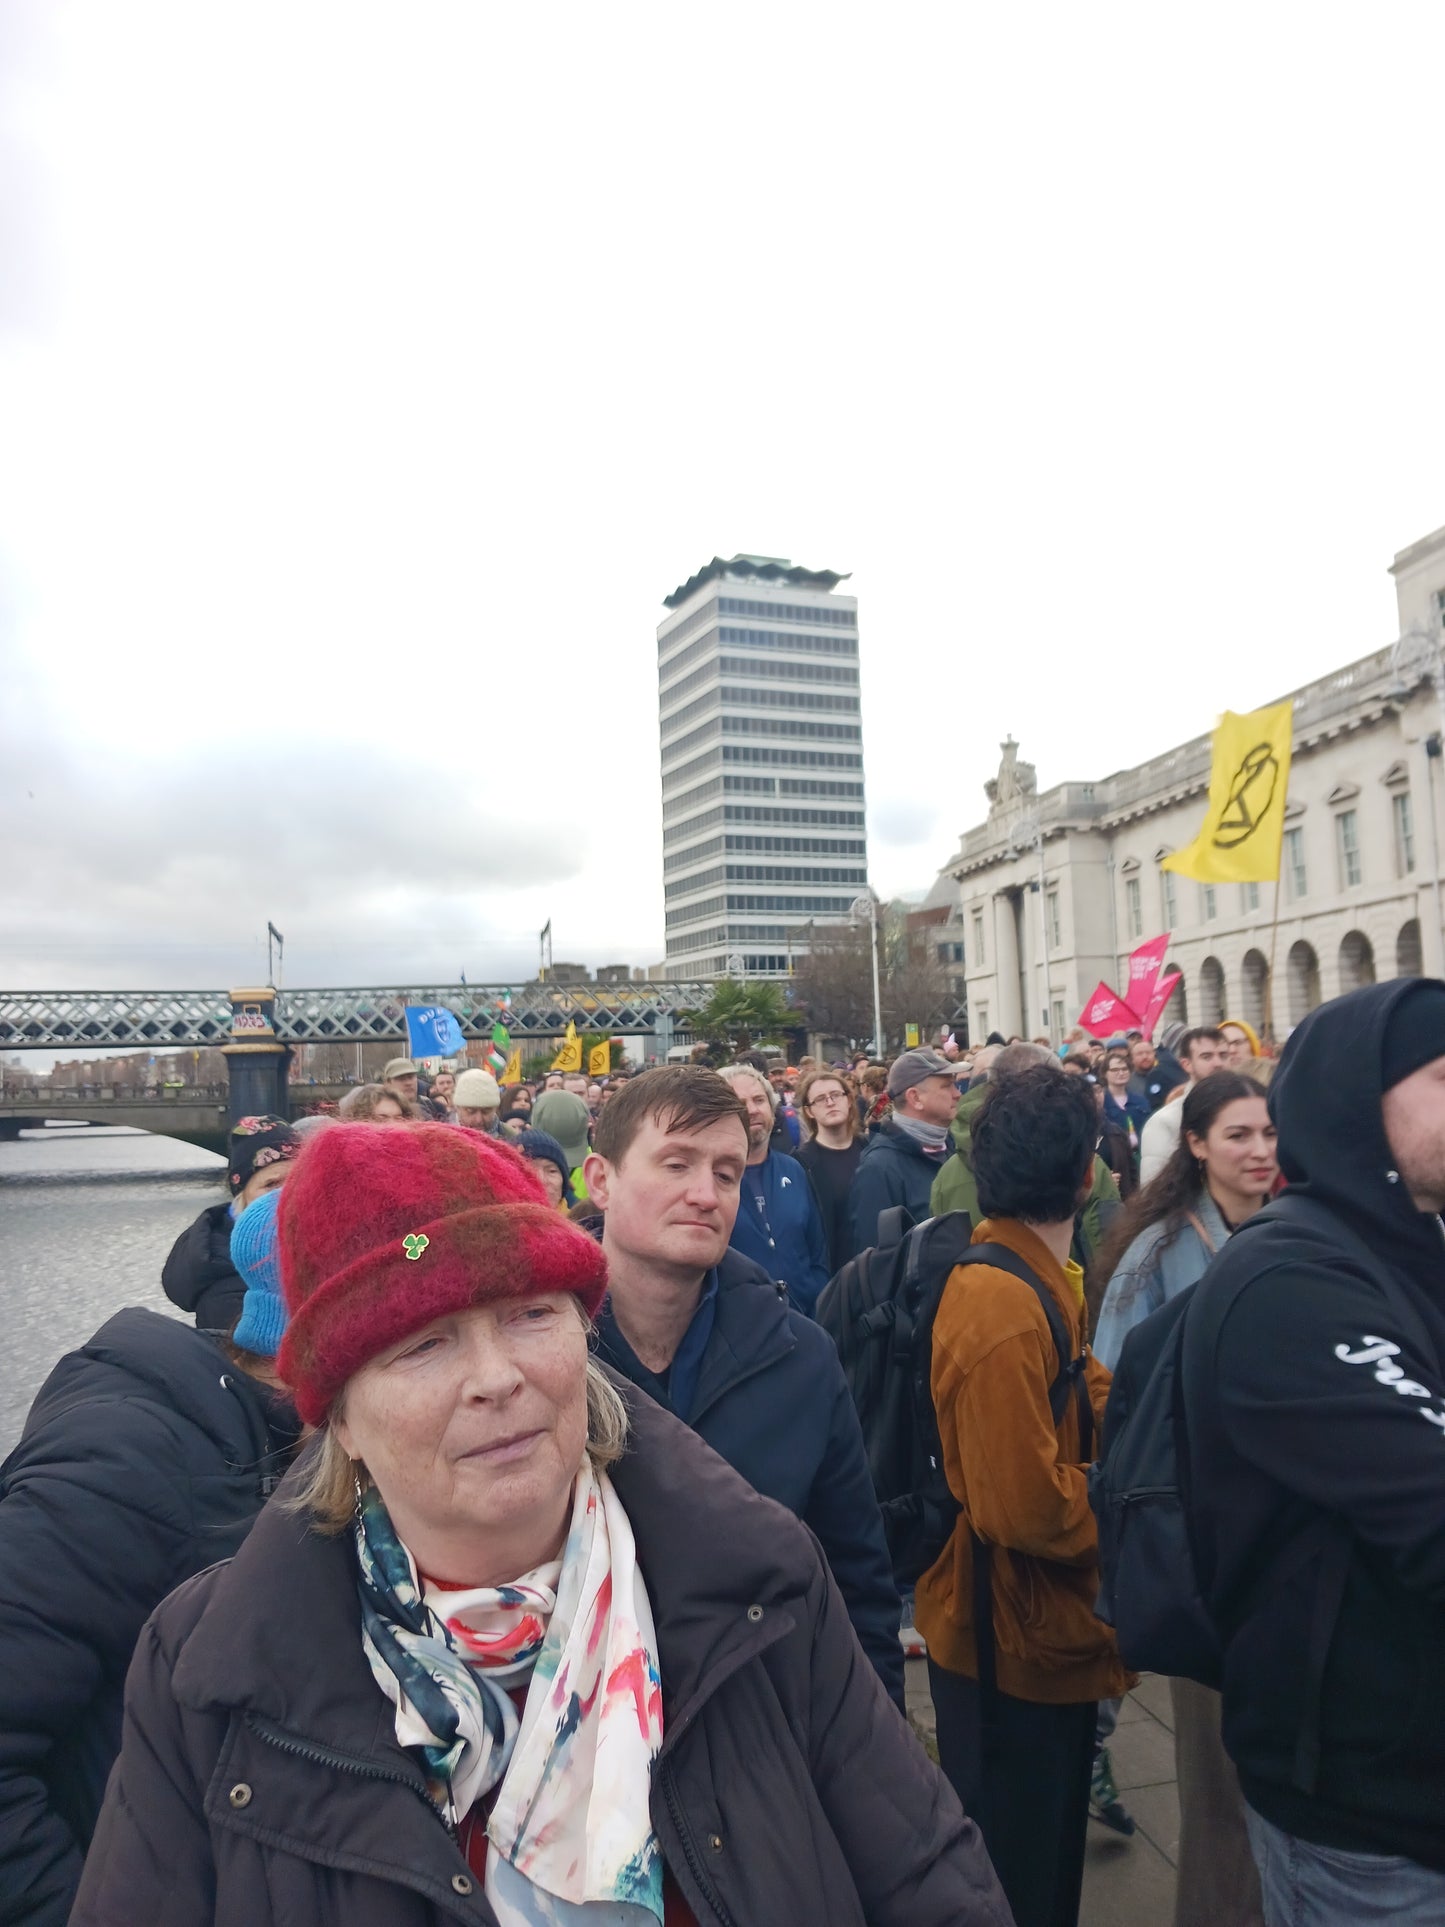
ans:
(256, 1256)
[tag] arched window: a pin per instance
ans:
(1211, 991)
(1254, 977)
(1357, 960)
(1408, 959)
(1303, 971)
(1176, 1011)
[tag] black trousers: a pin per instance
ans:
(1026, 1783)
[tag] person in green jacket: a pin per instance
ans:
(954, 1188)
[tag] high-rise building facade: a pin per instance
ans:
(762, 765)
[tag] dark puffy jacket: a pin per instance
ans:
(261, 1781)
(199, 1276)
(144, 1459)
(1315, 1395)
(895, 1170)
(772, 1400)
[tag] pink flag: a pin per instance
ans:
(1145, 963)
(1105, 1014)
(1163, 991)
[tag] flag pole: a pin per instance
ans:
(1273, 953)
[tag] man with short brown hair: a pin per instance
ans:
(705, 1331)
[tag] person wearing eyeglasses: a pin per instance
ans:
(828, 1105)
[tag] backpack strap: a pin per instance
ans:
(1069, 1380)
(1070, 1376)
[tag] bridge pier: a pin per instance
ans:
(255, 1061)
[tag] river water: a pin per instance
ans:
(87, 1219)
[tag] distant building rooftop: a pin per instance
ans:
(763, 568)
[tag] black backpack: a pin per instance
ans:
(1153, 1576)
(879, 1312)
(1150, 1587)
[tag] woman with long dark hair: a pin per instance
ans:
(1222, 1171)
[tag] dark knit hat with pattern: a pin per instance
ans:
(385, 1227)
(254, 1143)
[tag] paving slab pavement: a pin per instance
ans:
(1127, 1883)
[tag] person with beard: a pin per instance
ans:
(778, 1223)
(198, 1276)
(1313, 1381)
(145, 1458)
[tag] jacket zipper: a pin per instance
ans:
(705, 1886)
(344, 1762)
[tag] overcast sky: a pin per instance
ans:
(369, 374)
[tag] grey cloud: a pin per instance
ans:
(125, 868)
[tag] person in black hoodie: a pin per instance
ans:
(198, 1276)
(1314, 1389)
(146, 1457)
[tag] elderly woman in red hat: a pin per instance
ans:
(512, 1645)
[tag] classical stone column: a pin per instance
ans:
(1008, 1019)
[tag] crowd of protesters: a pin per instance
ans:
(495, 1536)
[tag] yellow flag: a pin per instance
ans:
(1248, 783)
(513, 1073)
(599, 1060)
(569, 1058)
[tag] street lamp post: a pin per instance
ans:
(861, 907)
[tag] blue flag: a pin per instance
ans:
(432, 1031)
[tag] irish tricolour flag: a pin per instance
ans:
(500, 1051)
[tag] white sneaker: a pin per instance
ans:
(912, 1642)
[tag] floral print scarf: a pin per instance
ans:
(570, 1826)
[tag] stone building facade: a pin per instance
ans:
(1052, 891)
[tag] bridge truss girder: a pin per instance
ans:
(160, 1020)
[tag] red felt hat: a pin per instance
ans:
(384, 1227)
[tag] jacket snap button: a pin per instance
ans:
(755, 1613)
(714, 1840)
(241, 1795)
(460, 1884)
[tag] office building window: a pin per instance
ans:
(1134, 909)
(1248, 897)
(1347, 839)
(1404, 834)
(1168, 899)
(1051, 919)
(1208, 905)
(1295, 880)
(980, 957)
(982, 1010)
(1058, 1017)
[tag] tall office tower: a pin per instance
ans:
(762, 765)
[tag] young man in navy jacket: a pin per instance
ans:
(708, 1334)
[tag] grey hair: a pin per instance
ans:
(730, 1073)
(1014, 1058)
(333, 1481)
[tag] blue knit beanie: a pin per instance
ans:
(255, 1254)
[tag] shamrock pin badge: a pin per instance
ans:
(415, 1243)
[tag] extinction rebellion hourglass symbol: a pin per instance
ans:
(1251, 791)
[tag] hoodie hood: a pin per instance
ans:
(1325, 1103)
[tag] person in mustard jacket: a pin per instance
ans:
(1016, 1734)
